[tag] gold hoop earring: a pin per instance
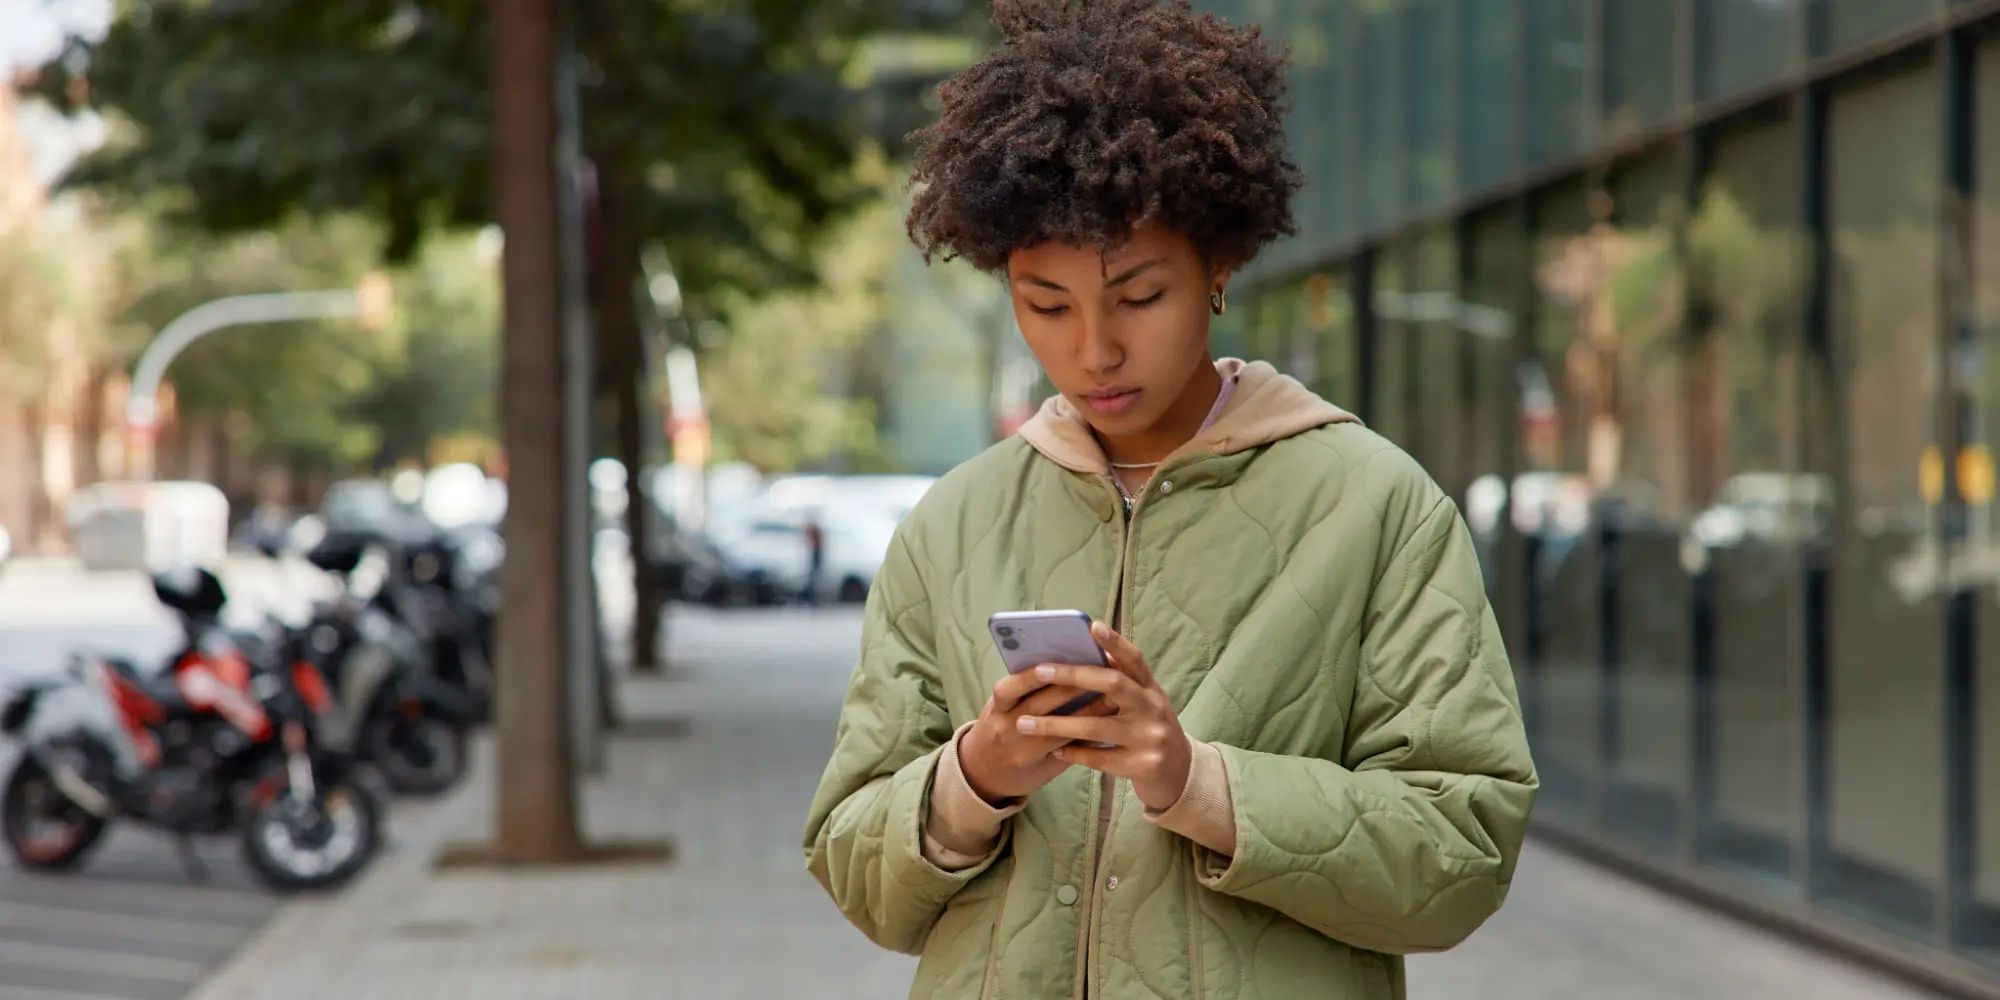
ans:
(1218, 300)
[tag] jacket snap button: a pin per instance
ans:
(1111, 883)
(1166, 486)
(1066, 895)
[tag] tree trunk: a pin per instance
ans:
(625, 369)
(536, 820)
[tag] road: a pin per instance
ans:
(132, 924)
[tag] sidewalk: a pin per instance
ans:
(735, 915)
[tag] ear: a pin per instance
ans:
(1218, 278)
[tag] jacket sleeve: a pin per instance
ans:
(865, 839)
(1410, 843)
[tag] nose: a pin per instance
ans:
(1097, 349)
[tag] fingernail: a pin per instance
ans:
(1045, 672)
(1025, 724)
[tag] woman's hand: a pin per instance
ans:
(1150, 748)
(1002, 762)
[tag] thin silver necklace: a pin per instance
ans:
(1135, 465)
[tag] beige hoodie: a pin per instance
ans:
(1266, 406)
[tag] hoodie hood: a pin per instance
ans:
(1267, 406)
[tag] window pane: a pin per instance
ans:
(1377, 147)
(1329, 343)
(1747, 250)
(1489, 100)
(1744, 43)
(1886, 767)
(1271, 320)
(1985, 532)
(1318, 120)
(1434, 370)
(1388, 388)
(1426, 75)
(1557, 57)
(1642, 53)
(1635, 300)
(1854, 22)
(1553, 501)
(1496, 270)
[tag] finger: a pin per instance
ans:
(1007, 694)
(1088, 728)
(1099, 706)
(1105, 680)
(1125, 656)
(1116, 761)
(1047, 700)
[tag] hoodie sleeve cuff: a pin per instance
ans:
(1205, 812)
(961, 828)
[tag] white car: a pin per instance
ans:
(772, 539)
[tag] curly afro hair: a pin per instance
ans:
(1095, 116)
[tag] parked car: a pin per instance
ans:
(771, 539)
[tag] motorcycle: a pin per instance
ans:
(218, 743)
(409, 721)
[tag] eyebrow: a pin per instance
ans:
(1127, 275)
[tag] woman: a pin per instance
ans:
(1318, 763)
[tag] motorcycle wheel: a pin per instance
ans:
(425, 755)
(311, 846)
(32, 797)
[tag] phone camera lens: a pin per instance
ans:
(1005, 631)
(1010, 644)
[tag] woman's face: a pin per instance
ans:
(1122, 334)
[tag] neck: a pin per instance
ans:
(1177, 427)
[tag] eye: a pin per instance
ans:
(1147, 301)
(1047, 310)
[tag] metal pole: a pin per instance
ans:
(583, 634)
(142, 405)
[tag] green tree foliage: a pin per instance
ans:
(740, 121)
(325, 391)
(778, 385)
(727, 133)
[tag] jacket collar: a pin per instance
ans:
(1267, 406)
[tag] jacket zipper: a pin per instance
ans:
(1107, 788)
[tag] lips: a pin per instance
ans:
(1112, 399)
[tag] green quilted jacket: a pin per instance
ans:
(1311, 602)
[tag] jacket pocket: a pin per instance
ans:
(1197, 972)
(958, 955)
(1375, 972)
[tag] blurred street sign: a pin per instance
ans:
(141, 415)
(1975, 475)
(687, 417)
(690, 443)
(374, 301)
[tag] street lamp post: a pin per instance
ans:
(368, 302)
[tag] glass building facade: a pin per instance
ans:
(1694, 307)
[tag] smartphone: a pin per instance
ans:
(1028, 639)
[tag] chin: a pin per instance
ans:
(1116, 424)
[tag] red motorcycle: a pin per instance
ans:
(226, 740)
